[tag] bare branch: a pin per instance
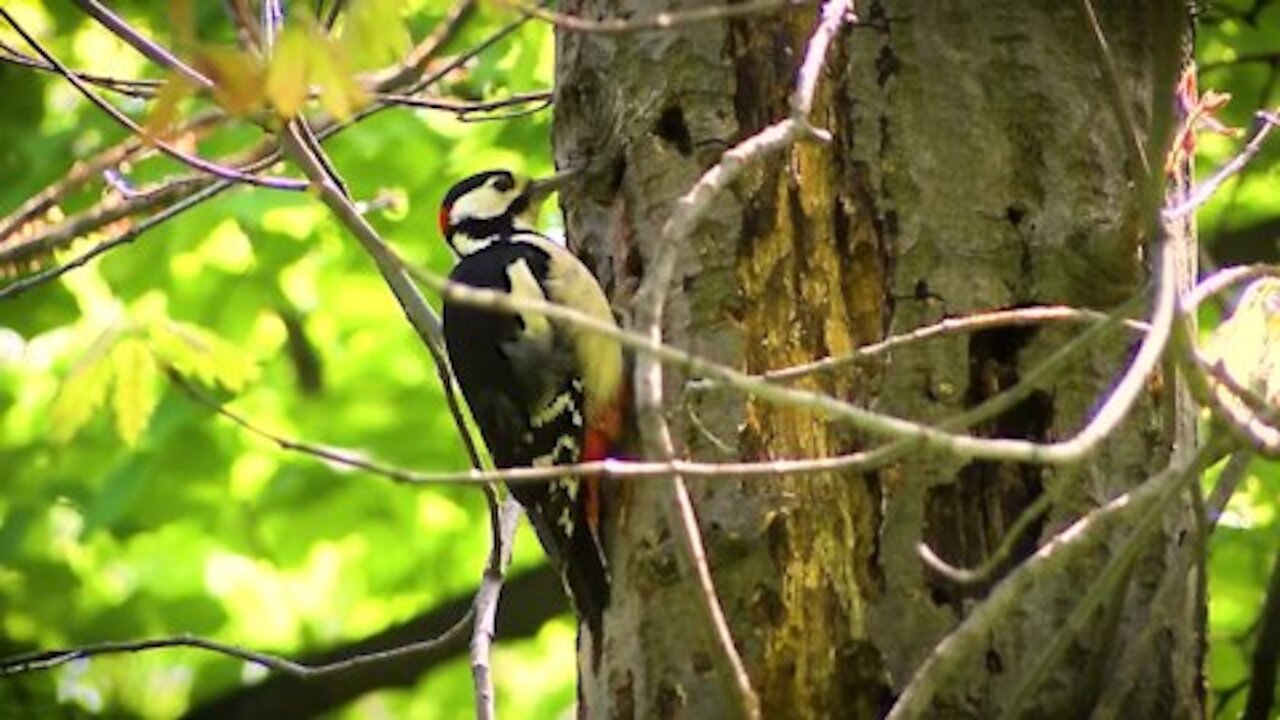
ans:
(1133, 662)
(141, 43)
(80, 173)
(654, 429)
(1248, 415)
(1229, 479)
(96, 217)
(635, 470)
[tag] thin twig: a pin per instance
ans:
(1266, 122)
(949, 326)
(986, 572)
(413, 65)
(226, 173)
(83, 171)
(1224, 279)
(1133, 662)
(22, 285)
(96, 217)
(141, 43)
(1115, 90)
(47, 659)
(1251, 418)
(465, 108)
(1119, 564)
(1229, 479)
(142, 89)
(687, 213)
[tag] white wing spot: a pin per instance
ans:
(553, 409)
(524, 286)
(564, 442)
(566, 521)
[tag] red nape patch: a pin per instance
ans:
(596, 445)
(444, 221)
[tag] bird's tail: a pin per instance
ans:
(575, 551)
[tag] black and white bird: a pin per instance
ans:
(543, 392)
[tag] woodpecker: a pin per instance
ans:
(543, 392)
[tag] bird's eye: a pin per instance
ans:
(504, 182)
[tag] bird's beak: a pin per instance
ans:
(541, 188)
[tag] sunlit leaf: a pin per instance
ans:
(288, 75)
(199, 354)
(374, 33)
(84, 389)
(162, 120)
(135, 387)
(237, 76)
(340, 94)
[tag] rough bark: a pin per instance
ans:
(977, 164)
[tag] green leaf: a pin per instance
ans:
(84, 389)
(374, 34)
(238, 78)
(135, 387)
(197, 353)
(340, 94)
(287, 76)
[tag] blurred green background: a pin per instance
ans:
(128, 510)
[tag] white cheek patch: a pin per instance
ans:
(525, 286)
(465, 245)
(483, 203)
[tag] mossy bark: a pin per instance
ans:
(977, 163)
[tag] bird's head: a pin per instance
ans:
(491, 205)
(482, 208)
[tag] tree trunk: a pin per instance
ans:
(977, 163)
